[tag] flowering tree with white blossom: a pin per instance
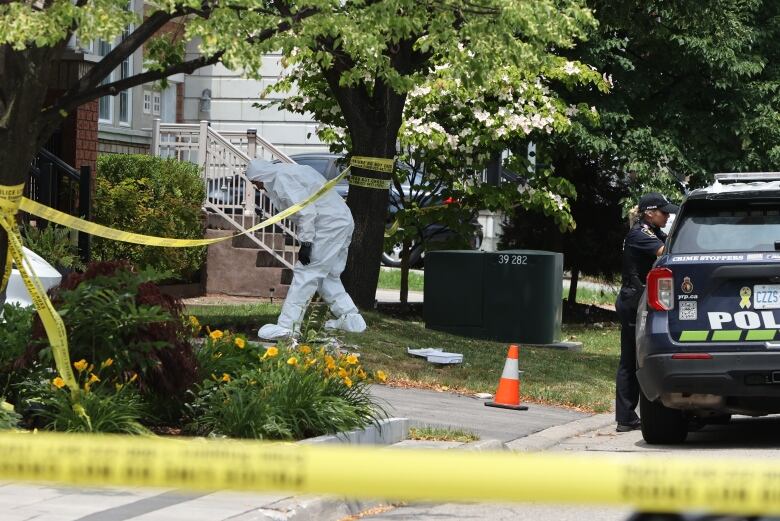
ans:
(454, 123)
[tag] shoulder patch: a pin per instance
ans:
(648, 232)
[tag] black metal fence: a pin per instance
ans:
(53, 182)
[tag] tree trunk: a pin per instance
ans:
(575, 277)
(24, 84)
(406, 252)
(372, 137)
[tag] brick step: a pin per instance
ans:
(234, 271)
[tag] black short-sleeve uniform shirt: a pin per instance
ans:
(639, 248)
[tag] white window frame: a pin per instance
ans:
(156, 102)
(147, 105)
(128, 93)
(109, 79)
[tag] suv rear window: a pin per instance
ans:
(737, 226)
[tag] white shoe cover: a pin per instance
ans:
(273, 332)
(351, 322)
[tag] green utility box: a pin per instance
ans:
(507, 296)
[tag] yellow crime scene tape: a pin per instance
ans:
(645, 483)
(372, 163)
(11, 201)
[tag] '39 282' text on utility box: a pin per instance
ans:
(507, 296)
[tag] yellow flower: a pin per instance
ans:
(292, 361)
(330, 363)
(343, 372)
(305, 350)
(80, 365)
(107, 363)
(194, 321)
(347, 382)
(216, 334)
(93, 378)
(225, 377)
(310, 362)
(271, 352)
(58, 382)
(240, 343)
(352, 359)
(133, 378)
(361, 374)
(381, 376)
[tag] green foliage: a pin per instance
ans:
(288, 393)
(595, 246)
(117, 412)
(153, 196)
(225, 353)
(112, 312)
(442, 434)
(695, 92)
(15, 332)
(9, 418)
(54, 244)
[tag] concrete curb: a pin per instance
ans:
(554, 435)
(389, 431)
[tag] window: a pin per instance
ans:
(125, 70)
(147, 102)
(156, 103)
(106, 103)
(125, 97)
(708, 227)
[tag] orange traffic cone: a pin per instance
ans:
(508, 393)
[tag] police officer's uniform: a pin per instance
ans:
(639, 255)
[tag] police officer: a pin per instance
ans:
(641, 247)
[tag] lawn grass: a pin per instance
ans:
(584, 380)
(441, 434)
(587, 295)
(390, 278)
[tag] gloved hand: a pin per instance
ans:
(304, 254)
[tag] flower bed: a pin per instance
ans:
(144, 367)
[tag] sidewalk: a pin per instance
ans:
(470, 413)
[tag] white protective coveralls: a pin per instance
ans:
(327, 224)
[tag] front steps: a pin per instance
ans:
(238, 267)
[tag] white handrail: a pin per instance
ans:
(229, 193)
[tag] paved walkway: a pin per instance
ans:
(470, 413)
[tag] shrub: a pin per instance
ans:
(292, 393)
(105, 405)
(15, 330)
(9, 418)
(153, 196)
(54, 244)
(112, 312)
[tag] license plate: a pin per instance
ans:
(766, 296)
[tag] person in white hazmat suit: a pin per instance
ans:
(325, 232)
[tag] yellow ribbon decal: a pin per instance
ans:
(645, 483)
(376, 164)
(98, 230)
(10, 200)
(369, 182)
(745, 293)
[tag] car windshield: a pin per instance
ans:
(737, 226)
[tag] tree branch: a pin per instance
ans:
(85, 91)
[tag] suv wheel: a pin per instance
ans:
(660, 424)
(392, 257)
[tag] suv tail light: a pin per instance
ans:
(660, 289)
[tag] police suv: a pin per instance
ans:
(708, 340)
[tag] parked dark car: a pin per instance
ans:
(707, 327)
